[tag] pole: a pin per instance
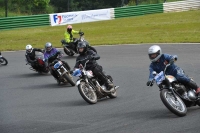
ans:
(68, 5)
(6, 8)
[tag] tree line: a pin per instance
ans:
(55, 6)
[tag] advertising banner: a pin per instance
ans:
(79, 17)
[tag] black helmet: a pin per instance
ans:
(83, 45)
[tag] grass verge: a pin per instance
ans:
(181, 27)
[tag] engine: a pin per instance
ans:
(180, 88)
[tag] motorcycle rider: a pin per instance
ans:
(86, 54)
(158, 63)
(30, 55)
(50, 56)
(69, 36)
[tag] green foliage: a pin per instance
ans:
(176, 27)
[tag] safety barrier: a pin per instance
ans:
(24, 21)
(138, 10)
(43, 20)
(181, 6)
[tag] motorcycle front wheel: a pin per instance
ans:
(176, 106)
(3, 61)
(66, 76)
(87, 93)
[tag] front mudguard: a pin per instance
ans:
(78, 82)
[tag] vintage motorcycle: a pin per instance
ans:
(40, 64)
(3, 60)
(63, 73)
(174, 95)
(90, 87)
(70, 51)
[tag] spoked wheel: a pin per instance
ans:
(88, 94)
(176, 106)
(68, 52)
(3, 61)
(69, 79)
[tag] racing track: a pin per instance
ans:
(33, 103)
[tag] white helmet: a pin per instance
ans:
(155, 53)
(29, 48)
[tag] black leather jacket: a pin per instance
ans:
(82, 58)
(31, 56)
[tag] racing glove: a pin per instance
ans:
(150, 83)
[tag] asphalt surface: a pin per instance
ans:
(34, 103)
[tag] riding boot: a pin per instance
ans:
(194, 86)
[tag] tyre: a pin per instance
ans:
(69, 53)
(3, 61)
(198, 102)
(66, 76)
(175, 106)
(113, 94)
(92, 48)
(87, 94)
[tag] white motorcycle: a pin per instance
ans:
(174, 95)
(89, 86)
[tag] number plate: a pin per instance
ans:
(57, 65)
(159, 78)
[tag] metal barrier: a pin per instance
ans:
(24, 21)
(138, 10)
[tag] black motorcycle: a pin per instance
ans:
(62, 72)
(70, 50)
(3, 60)
(40, 66)
(174, 95)
(90, 87)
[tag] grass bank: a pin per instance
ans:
(181, 27)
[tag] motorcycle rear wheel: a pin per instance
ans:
(87, 94)
(177, 107)
(3, 61)
(113, 94)
(69, 53)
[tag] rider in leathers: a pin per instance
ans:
(30, 55)
(50, 57)
(159, 61)
(92, 65)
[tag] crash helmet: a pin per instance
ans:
(154, 53)
(83, 45)
(29, 48)
(48, 46)
(69, 28)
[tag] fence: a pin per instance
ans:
(43, 20)
(24, 21)
(137, 10)
(181, 6)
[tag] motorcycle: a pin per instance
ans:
(70, 51)
(90, 87)
(39, 63)
(62, 72)
(174, 95)
(3, 60)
